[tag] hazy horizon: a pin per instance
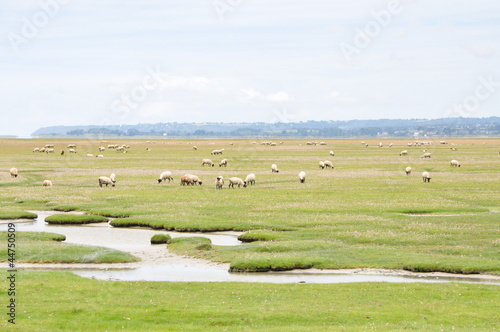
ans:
(92, 63)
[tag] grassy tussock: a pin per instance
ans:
(160, 239)
(11, 215)
(72, 219)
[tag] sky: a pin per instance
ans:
(88, 62)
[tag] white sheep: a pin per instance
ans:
(302, 177)
(250, 179)
(219, 182)
(234, 180)
(328, 164)
(217, 151)
(36, 150)
(408, 170)
(195, 147)
(390, 145)
(223, 162)
(455, 163)
(90, 155)
(113, 177)
(47, 183)
(274, 168)
(13, 172)
(322, 164)
(167, 175)
(105, 180)
(426, 177)
(426, 155)
(196, 180)
(49, 150)
(72, 151)
(102, 148)
(331, 153)
(403, 153)
(187, 180)
(206, 161)
(99, 156)
(380, 145)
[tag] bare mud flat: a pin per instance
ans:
(158, 264)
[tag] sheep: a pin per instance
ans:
(99, 156)
(13, 172)
(167, 175)
(49, 150)
(234, 180)
(380, 145)
(36, 150)
(331, 153)
(219, 182)
(322, 164)
(328, 164)
(49, 145)
(72, 151)
(42, 149)
(274, 168)
(102, 148)
(90, 155)
(187, 180)
(455, 163)
(250, 179)
(403, 153)
(195, 147)
(322, 143)
(408, 170)
(62, 152)
(302, 177)
(426, 155)
(223, 162)
(390, 145)
(47, 183)
(196, 180)
(113, 177)
(426, 177)
(105, 180)
(217, 151)
(206, 161)
(71, 146)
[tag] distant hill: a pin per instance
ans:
(445, 127)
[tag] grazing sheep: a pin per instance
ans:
(328, 164)
(90, 155)
(403, 153)
(42, 149)
(217, 151)
(195, 147)
(380, 145)
(71, 146)
(426, 155)
(455, 163)
(13, 172)
(47, 183)
(322, 164)
(219, 182)
(234, 180)
(250, 179)
(36, 150)
(206, 161)
(302, 177)
(274, 168)
(102, 148)
(113, 177)
(49, 150)
(49, 145)
(426, 177)
(331, 153)
(99, 156)
(196, 180)
(105, 180)
(390, 145)
(223, 162)
(187, 180)
(408, 170)
(72, 151)
(322, 143)
(167, 175)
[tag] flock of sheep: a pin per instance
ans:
(190, 179)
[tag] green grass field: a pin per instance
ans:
(366, 212)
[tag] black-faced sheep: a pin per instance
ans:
(13, 172)
(426, 155)
(328, 164)
(206, 161)
(47, 183)
(322, 164)
(113, 177)
(236, 181)
(223, 162)
(408, 170)
(426, 177)
(250, 179)
(274, 168)
(331, 153)
(403, 153)
(219, 182)
(455, 163)
(167, 175)
(302, 177)
(196, 180)
(105, 180)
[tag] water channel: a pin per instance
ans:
(160, 265)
